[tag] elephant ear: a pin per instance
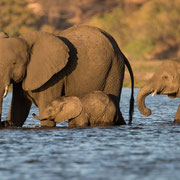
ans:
(71, 108)
(48, 56)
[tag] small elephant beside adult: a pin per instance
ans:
(165, 81)
(43, 67)
(93, 109)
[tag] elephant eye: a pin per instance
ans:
(165, 77)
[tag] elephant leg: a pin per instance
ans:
(119, 120)
(20, 106)
(113, 87)
(48, 123)
(72, 123)
(114, 81)
(177, 117)
(44, 98)
(75, 123)
(81, 121)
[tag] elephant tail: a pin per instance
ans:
(131, 106)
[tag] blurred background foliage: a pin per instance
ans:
(147, 31)
(16, 18)
(152, 31)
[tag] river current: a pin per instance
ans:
(148, 149)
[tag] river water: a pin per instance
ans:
(149, 149)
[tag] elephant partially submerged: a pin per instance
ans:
(165, 81)
(43, 67)
(94, 109)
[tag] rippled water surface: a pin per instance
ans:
(149, 149)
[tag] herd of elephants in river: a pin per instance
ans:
(76, 75)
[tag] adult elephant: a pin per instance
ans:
(165, 81)
(42, 67)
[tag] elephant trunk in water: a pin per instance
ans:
(144, 91)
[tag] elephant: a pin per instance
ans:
(94, 109)
(42, 67)
(165, 81)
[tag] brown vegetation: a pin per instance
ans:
(146, 30)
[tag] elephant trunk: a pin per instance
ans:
(39, 117)
(144, 91)
(36, 117)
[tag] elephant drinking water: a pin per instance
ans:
(165, 81)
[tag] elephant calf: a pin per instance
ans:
(94, 109)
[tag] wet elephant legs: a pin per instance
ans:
(177, 117)
(48, 123)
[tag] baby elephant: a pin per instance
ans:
(94, 109)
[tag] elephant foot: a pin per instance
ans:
(177, 121)
(48, 123)
(177, 117)
(78, 124)
(5, 124)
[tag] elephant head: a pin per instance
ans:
(165, 81)
(32, 59)
(62, 109)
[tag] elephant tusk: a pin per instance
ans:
(154, 93)
(6, 91)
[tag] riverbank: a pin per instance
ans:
(143, 70)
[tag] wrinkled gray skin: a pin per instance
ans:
(94, 109)
(165, 81)
(42, 67)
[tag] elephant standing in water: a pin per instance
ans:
(42, 67)
(165, 81)
(93, 109)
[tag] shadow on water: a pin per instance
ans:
(148, 149)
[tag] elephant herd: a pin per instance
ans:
(76, 75)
